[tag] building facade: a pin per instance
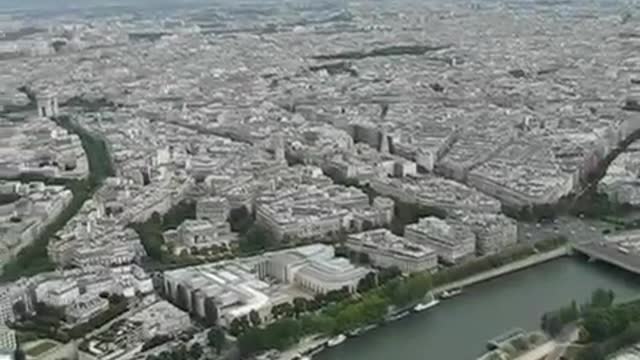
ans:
(384, 249)
(452, 240)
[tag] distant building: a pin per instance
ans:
(314, 212)
(235, 288)
(85, 307)
(214, 209)
(47, 106)
(6, 310)
(493, 232)
(161, 318)
(452, 241)
(385, 249)
(314, 268)
(58, 293)
(202, 233)
(8, 343)
(436, 192)
(229, 289)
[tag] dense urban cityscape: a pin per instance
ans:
(269, 179)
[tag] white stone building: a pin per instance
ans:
(214, 209)
(58, 293)
(452, 240)
(385, 249)
(313, 267)
(203, 233)
(493, 231)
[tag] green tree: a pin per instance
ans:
(367, 283)
(216, 339)
(250, 342)
(282, 310)
(20, 309)
(299, 305)
(257, 238)
(315, 324)
(195, 352)
(210, 312)
(255, 319)
(240, 220)
(601, 298)
(239, 326)
(602, 323)
(388, 274)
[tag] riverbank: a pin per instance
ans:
(506, 269)
(303, 347)
(484, 310)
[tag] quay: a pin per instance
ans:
(501, 339)
(306, 347)
(503, 270)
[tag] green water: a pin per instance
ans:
(459, 328)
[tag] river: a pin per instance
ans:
(459, 328)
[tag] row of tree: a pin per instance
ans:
(338, 315)
(487, 263)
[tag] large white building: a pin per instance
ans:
(237, 287)
(92, 245)
(312, 212)
(452, 240)
(231, 289)
(436, 192)
(385, 249)
(58, 293)
(525, 173)
(313, 267)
